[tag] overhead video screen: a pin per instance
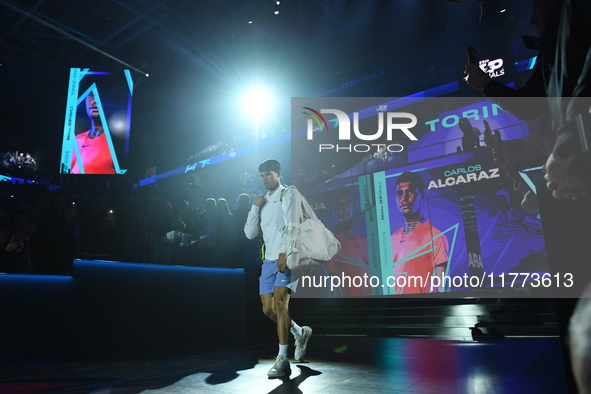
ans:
(440, 216)
(403, 223)
(97, 122)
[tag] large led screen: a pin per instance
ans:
(400, 223)
(97, 122)
(436, 214)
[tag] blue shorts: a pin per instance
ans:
(271, 277)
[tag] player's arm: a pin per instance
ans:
(252, 225)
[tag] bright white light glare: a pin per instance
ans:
(503, 10)
(249, 22)
(147, 75)
(276, 12)
(257, 102)
(278, 2)
(118, 124)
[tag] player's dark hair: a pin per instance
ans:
(271, 165)
(414, 178)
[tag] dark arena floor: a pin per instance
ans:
(333, 365)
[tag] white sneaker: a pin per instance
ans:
(280, 369)
(301, 342)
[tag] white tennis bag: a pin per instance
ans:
(309, 244)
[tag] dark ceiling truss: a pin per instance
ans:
(31, 13)
(41, 41)
(175, 38)
(138, 17)
(24, 17)
(146, 52)
(147, 34)
(152, 23)
(191, 27)
(346, 25)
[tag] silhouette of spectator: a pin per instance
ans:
(226, 235)
(470, 139)
(132, 227)
(22, 233)
(568, 89)
(241, 214)
(54, 246)
(10, 249)
(98, 228)
(159, 228)
(183, 209)
(580, 342)
(207, 232)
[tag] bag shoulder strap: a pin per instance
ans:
(261, 241)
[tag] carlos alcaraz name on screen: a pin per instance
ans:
(464, 175)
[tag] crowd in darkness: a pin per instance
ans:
(178, 221)
(14, 160)
(21, 164)
(42, 230)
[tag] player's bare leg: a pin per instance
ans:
(268, 301)
(276, 307)
(284, 322)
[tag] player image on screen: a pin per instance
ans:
(92, 144)
(418, 249)
(97, 125)
(352, 259)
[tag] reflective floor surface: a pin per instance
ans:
(333, 365)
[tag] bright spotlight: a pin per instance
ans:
(118, 124)
(257, 102)
(276, 12)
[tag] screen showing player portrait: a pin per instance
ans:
(440, 216)
(97, 122)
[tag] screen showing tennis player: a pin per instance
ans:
(97, 123)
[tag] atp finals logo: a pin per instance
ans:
(344, 125)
